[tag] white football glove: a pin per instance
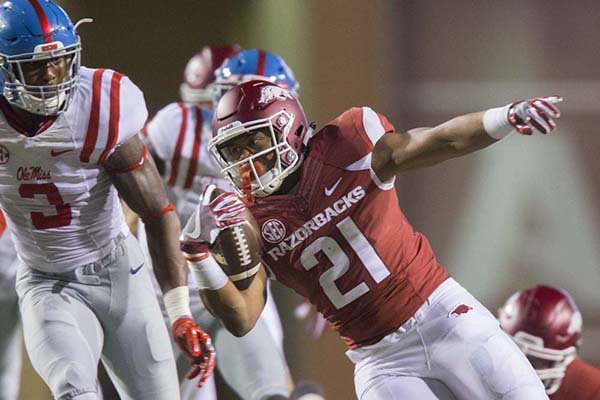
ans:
(209, 219)
(536, 114)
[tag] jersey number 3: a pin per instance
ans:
(341, 263)
(39, 219)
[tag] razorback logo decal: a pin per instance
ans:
(462, 309)
(270, 93)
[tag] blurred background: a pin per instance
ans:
(522, 212)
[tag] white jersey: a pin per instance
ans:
(59, 202)
(179, 134)
(8, 254)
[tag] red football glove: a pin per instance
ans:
(197, 346)
(536, 114)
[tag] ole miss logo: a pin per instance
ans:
(4, 155)
(51, 46)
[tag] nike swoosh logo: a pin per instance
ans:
(196, 232)
(329, 191)
(55, 153)
(135, 270)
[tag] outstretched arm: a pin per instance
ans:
(422, 147)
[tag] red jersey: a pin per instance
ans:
(341, 239)
(581, 382)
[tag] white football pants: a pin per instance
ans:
(104, 310)
(451, 348)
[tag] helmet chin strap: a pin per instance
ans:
(49, 106)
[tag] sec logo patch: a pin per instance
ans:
(273, 230)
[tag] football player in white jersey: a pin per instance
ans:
(10, 321)
(69, 146)
(178, 136)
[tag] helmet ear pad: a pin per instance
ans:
(36, 31)
(260, 105)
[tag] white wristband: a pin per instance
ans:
(208, 274)
(177, 303)
(495, 122)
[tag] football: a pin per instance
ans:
(238, 249)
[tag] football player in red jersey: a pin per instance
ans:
(545, 323)
(254, 366)
(333, 231)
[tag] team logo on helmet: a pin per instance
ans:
(48, 47)
(270, 93)
(273, 231)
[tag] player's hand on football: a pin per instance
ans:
(197, 347)
(211, 217)
(315, 322)
(535, 115)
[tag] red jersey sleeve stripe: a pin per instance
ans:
(387, 125)
(44, 23)
(113, 116)
(177, 155)
(189, 180)
(91, 135)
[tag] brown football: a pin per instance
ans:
(238, 249)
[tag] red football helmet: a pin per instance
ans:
(545, 323)
(199, 73)
(260, 106)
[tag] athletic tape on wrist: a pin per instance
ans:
(495, 122)
(177, 303)
(208, 274)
